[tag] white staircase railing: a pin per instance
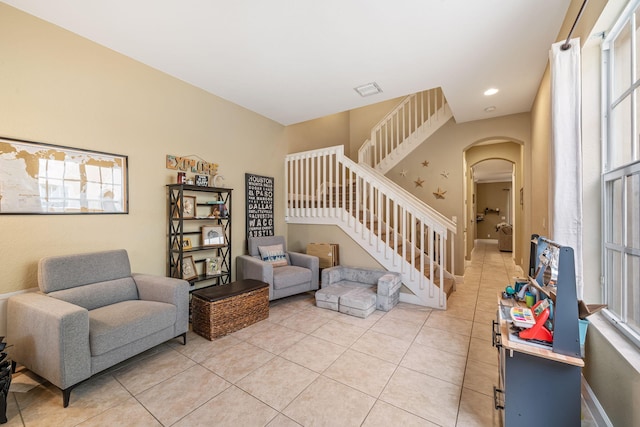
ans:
(416, 118)
(401, 232)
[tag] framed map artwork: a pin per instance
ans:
(38, 178)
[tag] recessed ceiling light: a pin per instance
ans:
(490, 109)
(490, 91)
(368, 89)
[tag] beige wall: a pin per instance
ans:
(319, 133)
(349, 129)
(492, 196)
(350, 252)
(59, 88)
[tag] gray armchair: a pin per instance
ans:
(287, 273)
(90, 314)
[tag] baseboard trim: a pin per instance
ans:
(597, 411)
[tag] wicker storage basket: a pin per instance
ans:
(221, 310)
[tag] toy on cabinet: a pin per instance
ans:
(538, 331)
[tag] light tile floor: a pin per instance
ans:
(306, 366)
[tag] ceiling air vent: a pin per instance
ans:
(368, 89)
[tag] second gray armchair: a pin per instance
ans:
(287, 273)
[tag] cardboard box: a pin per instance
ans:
(326, 252)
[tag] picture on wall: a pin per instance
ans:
(39, 178)
(259, 193)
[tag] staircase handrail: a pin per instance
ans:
(400, 194)
(400, 124)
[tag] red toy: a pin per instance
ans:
(538, 331)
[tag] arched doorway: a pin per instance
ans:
(493, 183)
(497, 165)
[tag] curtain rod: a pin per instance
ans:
(567, 45)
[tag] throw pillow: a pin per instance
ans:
(273, 254)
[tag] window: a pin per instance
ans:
(621, 172)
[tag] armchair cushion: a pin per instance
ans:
(119, 324)
(64, 272)
(98, 295)
(290, 275)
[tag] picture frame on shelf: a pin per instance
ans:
(213, 235)
(212, 266)
(202, 180)
(189, 207)
(189, 271)
(186, 243)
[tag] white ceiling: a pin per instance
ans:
(295, 60)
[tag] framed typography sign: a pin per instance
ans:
(259, 196)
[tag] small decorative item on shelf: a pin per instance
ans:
(189, 271)
(182, 176)
(189, 181)
(224, 212)
(202, 180)
(5, 381)
(189, 210)
(218, 181)
(186, 244)
(213, 266)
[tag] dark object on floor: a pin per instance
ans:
(5, 381)
(221, 310)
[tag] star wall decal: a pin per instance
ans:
(419, 182)
(404, 172)
(440, 193)
(425, 163)
(445, 174)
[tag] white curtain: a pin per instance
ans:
(566, 152)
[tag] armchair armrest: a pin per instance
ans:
(389, 283)
(307, 261)
(388, 291)
(50, 337)
(331, 275)
(168, 290)
(248, 267)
